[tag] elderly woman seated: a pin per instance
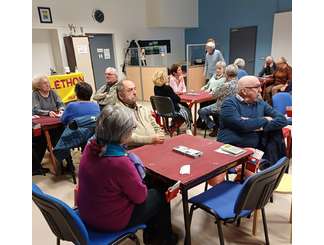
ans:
(45, 102)
(112, 191)
(240, 63)
(227, 88)
(162, 89)
(282, 77)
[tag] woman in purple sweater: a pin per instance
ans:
(112, 193)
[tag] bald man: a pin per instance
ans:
(268, 68)
(147, 130)
(245, 117)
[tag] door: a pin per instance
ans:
(102, 55)
(242, 45)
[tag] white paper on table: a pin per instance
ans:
(185, 169)
(219, 150)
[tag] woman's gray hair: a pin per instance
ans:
(114, 124)
(221, 63)
(231, 70)
(36, 81)
(240, 63)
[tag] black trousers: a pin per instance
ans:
(39, 146)
(155, 212)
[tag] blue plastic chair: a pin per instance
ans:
(67, 225)
(230, 201)
(280, 101)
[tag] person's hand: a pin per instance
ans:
(52, 114)
(35, 116)
(269, 118)
(284, 88)
(158, 139)
(60, 113)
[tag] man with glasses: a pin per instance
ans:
(107, 93)
(245, 117)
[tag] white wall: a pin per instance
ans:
(125, 19)
(281, 37)
(43, 57)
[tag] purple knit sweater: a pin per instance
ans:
(109, 188)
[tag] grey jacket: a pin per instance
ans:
(104, 98)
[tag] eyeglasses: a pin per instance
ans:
(109, 73)
(257, 86)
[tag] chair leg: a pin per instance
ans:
(238, 222)
(220, 232)
(205, 132)
(206, 186)
(191, 213)
(265, 226)
(255, 222)
(57, 241)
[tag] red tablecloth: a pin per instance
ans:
(166, 162)
(197, 97)
(47, 121)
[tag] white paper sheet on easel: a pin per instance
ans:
(107, 53)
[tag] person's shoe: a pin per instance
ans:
(214, 132)
(188, 131)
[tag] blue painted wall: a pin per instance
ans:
(216, 17)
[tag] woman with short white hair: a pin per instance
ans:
(45, 101)
(240, 63)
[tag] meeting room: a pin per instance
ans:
(162, 122)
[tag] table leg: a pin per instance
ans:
(50, 148)
(187, 240)
(195, 119)
(243, 170)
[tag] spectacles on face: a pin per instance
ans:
(257, 86)
(109, 74)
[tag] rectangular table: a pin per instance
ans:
(194, 98)
(46, 124)
(160, 160)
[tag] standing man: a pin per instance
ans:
(147, 131)
(212, 57)
(107, 93)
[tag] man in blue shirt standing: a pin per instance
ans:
(245, 117)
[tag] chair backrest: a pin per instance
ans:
(281, 100)
(258, 188)
(163, 106)
(62, 219)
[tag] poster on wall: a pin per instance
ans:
(64, 85)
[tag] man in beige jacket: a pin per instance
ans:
(106, 94)
(147, 130)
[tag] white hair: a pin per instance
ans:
(114, 124)
(240, 63)
(37, 79)
(111, 70)
(210, 44)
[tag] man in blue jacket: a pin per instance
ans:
(245, 118)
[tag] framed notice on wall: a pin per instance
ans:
(153, 46)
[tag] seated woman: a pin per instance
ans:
(75, 138)
(268, 68)
(228, 88)
(112, 194)
(83, 106)
(218, 79)
(240, 63)
(176, 79)
(162, 89)
(281, 78)
(45, 102)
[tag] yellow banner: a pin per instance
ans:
(64, 85)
